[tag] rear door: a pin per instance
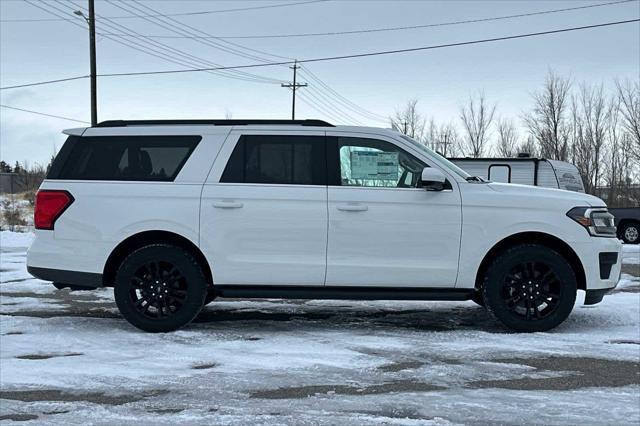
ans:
(264, 209)
(385, 231)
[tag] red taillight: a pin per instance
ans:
(50, 204)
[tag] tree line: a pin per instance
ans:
(595, 127)
(28, 177)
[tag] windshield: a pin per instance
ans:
(437, 157)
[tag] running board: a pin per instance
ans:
(337, 293)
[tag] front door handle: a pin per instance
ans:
(352, 208)
(227, 204)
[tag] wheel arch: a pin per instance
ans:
(133, 242)
(540, 238)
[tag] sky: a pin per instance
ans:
(508, 72)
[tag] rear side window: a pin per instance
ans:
(277, 159)
(134, 158)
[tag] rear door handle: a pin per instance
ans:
(352, 207)
(227, 204)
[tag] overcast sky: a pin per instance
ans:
(507, 71)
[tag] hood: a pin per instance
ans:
(536, 194)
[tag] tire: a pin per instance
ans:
(210, 297)
(478, 298)
(160, 288)
(530, 288)
(630, 233)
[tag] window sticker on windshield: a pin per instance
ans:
(374, 165)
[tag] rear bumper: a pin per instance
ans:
(73, 278)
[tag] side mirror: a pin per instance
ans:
(433, 179)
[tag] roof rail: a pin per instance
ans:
(240, 122)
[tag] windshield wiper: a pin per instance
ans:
(474, 179)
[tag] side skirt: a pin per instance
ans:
(337, 293)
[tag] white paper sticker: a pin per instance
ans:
(374, 165)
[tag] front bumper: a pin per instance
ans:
(601, 259)
(595, 296)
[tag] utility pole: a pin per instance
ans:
(91, 21)
(294, 86)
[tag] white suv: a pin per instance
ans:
(175, 213)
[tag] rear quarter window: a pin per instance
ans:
(133, 158)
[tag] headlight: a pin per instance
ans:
(597, 220)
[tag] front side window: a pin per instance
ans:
(434, 156)
(377, 163)
(277, 159)
(134, 158)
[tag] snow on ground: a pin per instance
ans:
(70, 358)
(631, 254)
(15, 239)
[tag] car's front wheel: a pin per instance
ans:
(530, 288)
(160, 288)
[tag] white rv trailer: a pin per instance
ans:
(524, 170)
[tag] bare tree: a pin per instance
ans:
(615, 173)
(629, 97)
(529, 147)
(547, 122)
(476, 118)
(409, 121)
(507, 138)
(430, 136)
(448, 142)
(590, 121)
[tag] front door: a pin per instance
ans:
(384, 230)
(264, 210)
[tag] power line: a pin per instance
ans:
(40, 83)
(154, 48)
(320, 109)
(400, 28)
(319, 99)
(344, 101)
(389, 52)
(191, 60)
(160, 50)
(190, 30)
(45, 114)
(358, 55)
(203, 12)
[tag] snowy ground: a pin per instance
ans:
(69, 358)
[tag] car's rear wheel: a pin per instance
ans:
(530, 288)
(630, 233)
(160, 288)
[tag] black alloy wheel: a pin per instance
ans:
(530, 288)
(160, 287)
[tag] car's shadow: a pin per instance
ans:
(349, 316)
